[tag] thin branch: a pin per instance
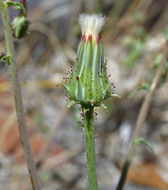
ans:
(141, 117)
(13, 69)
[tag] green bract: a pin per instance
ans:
(20, 26)
(88, 84)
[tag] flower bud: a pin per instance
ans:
(88, 84)
(20, 26)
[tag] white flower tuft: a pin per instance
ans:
(91, 24)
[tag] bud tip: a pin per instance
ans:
(91, 24)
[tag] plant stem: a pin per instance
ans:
(18, 98)
(141, 118)
(90, 149)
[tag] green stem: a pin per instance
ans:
(90, 149)
(18, 98)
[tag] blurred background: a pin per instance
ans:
(133, 39)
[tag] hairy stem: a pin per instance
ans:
(141, 118)
(90, 149)
(18, 98)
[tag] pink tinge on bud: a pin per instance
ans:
(90, 38)
(98, 38)
(83, 38)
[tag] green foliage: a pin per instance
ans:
(135, 46)
(141, 140)
(143, 86)
(165, 31)
(4, 58)
(39, 121)
(157, 62)
(117, 9)
(47, 175)
(134, 53)
(146, 85)
(99, 6)
(20, 26)
(16, 5)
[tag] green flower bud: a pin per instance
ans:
(20, 26)
(88, 84)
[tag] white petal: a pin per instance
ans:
(91, 24)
